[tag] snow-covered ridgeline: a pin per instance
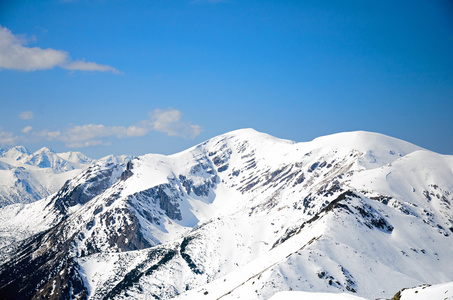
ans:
(246, 215)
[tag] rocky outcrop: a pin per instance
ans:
(128, 172)
(88, 185)
(166, 196)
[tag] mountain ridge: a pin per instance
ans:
(244, 214)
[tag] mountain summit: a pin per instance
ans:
(243, 214)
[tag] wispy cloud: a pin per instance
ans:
(7, 138)
(48, 135)
(82, 65)
(26, 115)
(16, 55)
(87, 144)
(27, 129)
(91, 135)
(169, 121)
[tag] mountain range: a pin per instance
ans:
(242, 215)
(27, 177)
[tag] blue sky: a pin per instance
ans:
(136, 77)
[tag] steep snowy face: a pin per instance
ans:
(246, 215)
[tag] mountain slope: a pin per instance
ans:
(427, 292)
(244, 214)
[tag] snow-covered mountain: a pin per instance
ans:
(46, 158)
(27, 177)
(14, 153)
(242, 215)
(76, 158)
(116, 159)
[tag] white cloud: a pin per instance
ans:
(95, 134)
(14, 54)
(82, 65)
(136, 131)
(49, 135)
(87, 144)
(26, 115)
(27, 129)
(91, 132)
(7, 138)
(169, 121)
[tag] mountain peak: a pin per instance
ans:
(21, 149)
(251, 134)
(44, 150)
(243, 131)
(246, 135)
(365, 141)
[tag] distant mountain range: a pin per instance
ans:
(27, 177)
(243, 215)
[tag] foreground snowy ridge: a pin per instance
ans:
(427, 292)
(242, 215)
(423, 292)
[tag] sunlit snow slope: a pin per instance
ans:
(427, 292)
(243, 215)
